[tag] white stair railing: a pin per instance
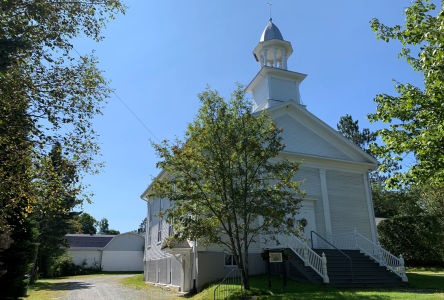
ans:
(308, 256)
(355, 240)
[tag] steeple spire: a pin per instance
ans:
(270, 4)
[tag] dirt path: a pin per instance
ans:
(108, 288)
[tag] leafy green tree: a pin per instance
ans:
(225, 182)
(396, 203)
(9, 49)
(9, 154)
(48, 87)
(76, 227)
(88, 223)
(103, 226)
(55, 225)
(113, 232)
(416, 115)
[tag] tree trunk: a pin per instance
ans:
(245, 273)
(33, 268)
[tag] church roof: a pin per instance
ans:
(271, 32)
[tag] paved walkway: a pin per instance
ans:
(109, 288)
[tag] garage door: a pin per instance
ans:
(122, 260)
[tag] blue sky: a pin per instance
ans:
(162, 53)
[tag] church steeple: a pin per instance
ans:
(274, 84)
(272, 49)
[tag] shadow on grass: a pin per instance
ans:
(93, 274)
(59, 286)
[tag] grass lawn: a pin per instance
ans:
(138, 283)
(421, 286)
(425, 270)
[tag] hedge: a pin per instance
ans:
(419, 239)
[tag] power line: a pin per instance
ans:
(126, 105)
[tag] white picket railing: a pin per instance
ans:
(308, 256)
(355, 240)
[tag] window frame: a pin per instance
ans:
(233, 260)
(149, 238)
(170, 229)
(159, 232)
(150, 213)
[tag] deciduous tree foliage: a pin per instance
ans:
(226, 180)
(88, 223)
(53, 226)
(47, 95)
(416, 115)
(103, 226)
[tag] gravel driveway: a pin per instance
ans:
(109, 288)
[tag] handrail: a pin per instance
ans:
(308, 256)
(230, 280)
(351, 265)
(355, 240)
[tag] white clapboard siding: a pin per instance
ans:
(301, 139)
(155, 252)
(284, 89)
(348, 203)
(312, 187)
(260, 94)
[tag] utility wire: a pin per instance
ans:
(126, 105)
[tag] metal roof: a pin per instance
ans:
(271, 32)
(87, 241)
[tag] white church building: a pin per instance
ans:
(344, 250)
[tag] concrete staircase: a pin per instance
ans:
(366, 272)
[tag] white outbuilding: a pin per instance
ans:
(123, 252)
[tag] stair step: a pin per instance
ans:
(358, 273)
(365, 280)
(347, 264)
(345, 259)
(358, 285)
(366, 271)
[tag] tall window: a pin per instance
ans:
(159, 232)
(149, 237)
(229, 260)
(150, 208)
(170, 230)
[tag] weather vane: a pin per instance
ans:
(270, 4)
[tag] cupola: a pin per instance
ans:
(272, 50)
(274, 84)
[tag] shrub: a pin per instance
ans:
(420, 239)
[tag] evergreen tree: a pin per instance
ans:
(142, 226)
(17, 259)
(350, 130)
